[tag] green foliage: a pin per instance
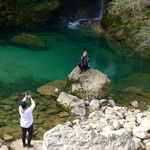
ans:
(31, 12)
(132, 18)
(52, 5)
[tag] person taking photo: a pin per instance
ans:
(26, 120)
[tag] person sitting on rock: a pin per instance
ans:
(85, 62)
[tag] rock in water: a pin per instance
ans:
(29, 41)
(92, 84)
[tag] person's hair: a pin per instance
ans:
(86, 52)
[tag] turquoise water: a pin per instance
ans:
(23, 69)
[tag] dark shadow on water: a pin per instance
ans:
(23, 84)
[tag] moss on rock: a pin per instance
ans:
(130, 18)
(29, 41)
(29, 13)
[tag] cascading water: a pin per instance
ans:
(101, 11)
(77, 23)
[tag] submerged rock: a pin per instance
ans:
(29, 41)
(47, 90)
(92, 84)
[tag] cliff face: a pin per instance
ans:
(128, 21)
(26, 13)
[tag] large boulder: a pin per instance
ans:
(63, 137)
(71, 103)
(92, 84)
(29, 41)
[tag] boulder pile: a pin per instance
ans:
(108, 127)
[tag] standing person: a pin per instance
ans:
(85, 62)
(26, 120)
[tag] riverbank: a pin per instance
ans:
(129, 23)
(102, 116)
(105, 127)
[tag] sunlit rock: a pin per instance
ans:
(71, 104)
(62, 137)
(92, 84)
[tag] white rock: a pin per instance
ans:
(145, 124)
(56, 139)
(77, 105)
(111, 103)
(108, 128)
(116, 124)
(76, 122)
(4, 147)
(96, 115)
(139, 133)
(147, 146)
(129, 126)
(139, 117)
(103, 102)
(94, 105)
(130, 117)
(135, 104)
(110, 113)
(138, 144)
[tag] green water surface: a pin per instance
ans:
(23, 69)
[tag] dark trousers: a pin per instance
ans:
(24, 132)
(83, 66)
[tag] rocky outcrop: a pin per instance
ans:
(109, 127)
(29, 41)
(88, 85)
(62, 137)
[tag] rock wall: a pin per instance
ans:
(129, 22)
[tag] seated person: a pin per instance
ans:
(85, 62)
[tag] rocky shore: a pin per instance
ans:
(108, 127)
(99, 123)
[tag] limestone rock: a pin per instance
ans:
(135, 104)
(94, 105)
(4, 147)
(58, 139)
(138, 144)
(71, 103)
(92, 84)
(139, 133)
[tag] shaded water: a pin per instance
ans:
(23, 69)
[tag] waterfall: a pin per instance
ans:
(99, 16)
(76, 24)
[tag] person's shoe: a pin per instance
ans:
(29, 146)
(24, 145)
